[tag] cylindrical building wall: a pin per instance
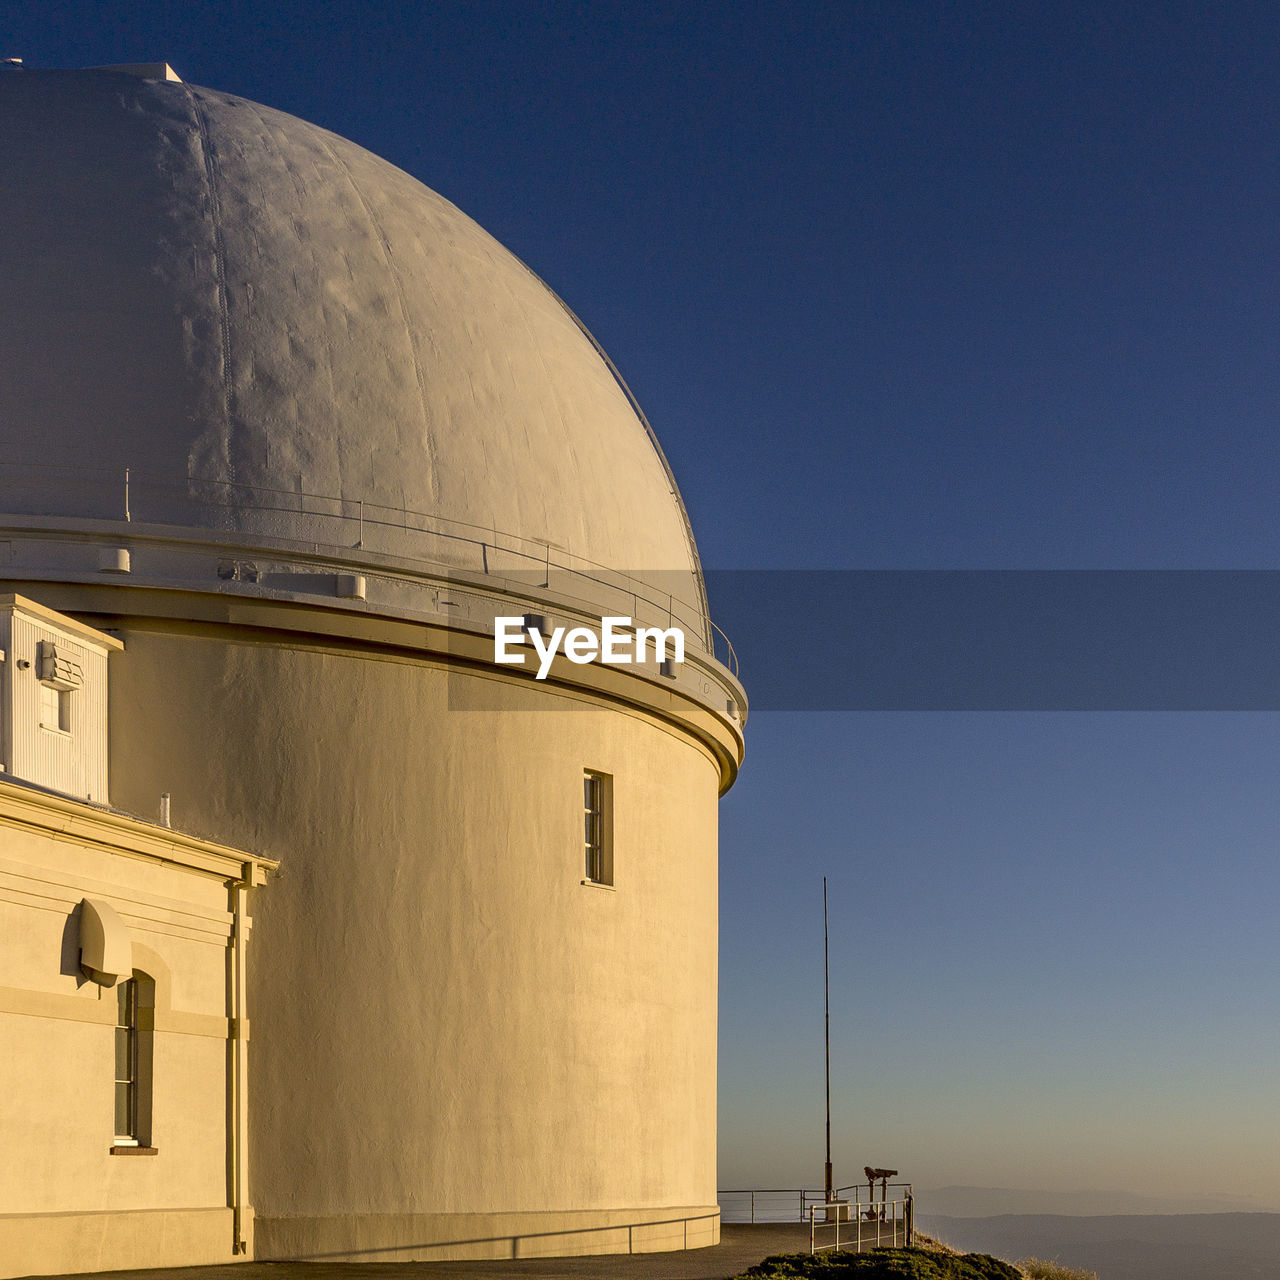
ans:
(446, 1020)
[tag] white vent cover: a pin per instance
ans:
(106, 950)
(114, 560)
(56, 668)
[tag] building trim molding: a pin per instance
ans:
(95, 826)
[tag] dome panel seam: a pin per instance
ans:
(220, 273)
(433, 474)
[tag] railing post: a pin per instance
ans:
(753, 1206)
(127, 514)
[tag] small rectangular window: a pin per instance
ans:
(134, 1064)
(55, 708)
(598, 821)
(127, 1062)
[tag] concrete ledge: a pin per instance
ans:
(425, 1237)
(63, 1243)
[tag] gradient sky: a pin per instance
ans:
(945, 286)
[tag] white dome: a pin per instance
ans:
(271, 327)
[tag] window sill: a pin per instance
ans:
(599, 884)
(134, 1151)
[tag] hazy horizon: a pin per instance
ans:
(983, 1202)
(1209, 1246)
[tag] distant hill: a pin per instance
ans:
(1194, 1246)
(984, 1202)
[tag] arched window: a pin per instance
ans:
(135, 1019)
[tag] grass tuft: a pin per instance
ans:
(932, 1244)
(1038, 1269)
(1030, 1268)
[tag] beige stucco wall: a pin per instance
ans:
(447, 1022)
(67, 1203)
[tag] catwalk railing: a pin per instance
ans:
(343, 524)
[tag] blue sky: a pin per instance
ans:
(945, 286)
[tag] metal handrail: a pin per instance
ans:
(799, 1199)
(903, 1187)
(731, 653)
(633, 1229)
(358, 513)
(803, 1197)
(859, 1217)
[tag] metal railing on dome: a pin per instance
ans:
(340, 524)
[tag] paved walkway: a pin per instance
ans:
(741, 1245)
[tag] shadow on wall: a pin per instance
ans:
(69, 964)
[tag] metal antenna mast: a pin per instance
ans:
(826, 964)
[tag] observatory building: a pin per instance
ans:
(285, 434)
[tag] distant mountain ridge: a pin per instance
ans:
(985, 1202)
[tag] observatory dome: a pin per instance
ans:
(284, 341)
(285, 435)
